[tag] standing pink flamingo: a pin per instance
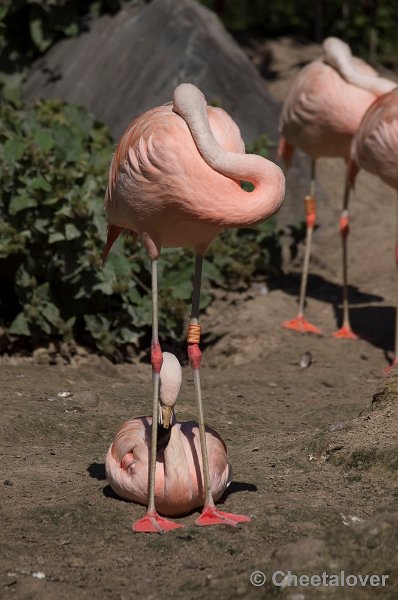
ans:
(320, 115)
(175, 181)
(375, 149)
(179, 471)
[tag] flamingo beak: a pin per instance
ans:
(166, 416)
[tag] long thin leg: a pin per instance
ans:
(152, 522)
(395, 359)
(210, 514)
(345, 331)
(300, 323)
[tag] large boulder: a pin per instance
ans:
(126, 64)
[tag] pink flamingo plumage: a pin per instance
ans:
(179, 472)
(375, 149)
(175, 181)
(320, 115)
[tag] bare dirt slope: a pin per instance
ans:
(319, 481)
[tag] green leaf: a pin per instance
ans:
(42, 291)
(41, 225)
(127, 336)
(71, 232)
(39, 183)
(56, 237)
(12, 93)
(106, 287)
(38, 30)
(21, 203)
(23, 278)
(132, 295)
(43, 139)
(50, 201)
(211, 272)
(43, 324)
(50, 312)
(14, 149)
(71, 30)
(68, 144)
(20, 325)
(119, 264)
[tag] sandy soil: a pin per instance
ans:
(319, 481)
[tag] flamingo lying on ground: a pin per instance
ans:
(175, 181)
(320, 115)
(375, 149)
(179, 472)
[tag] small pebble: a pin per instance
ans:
(39, 575)
(305, 360)
(64, 394)
(338, 426)
(7, 482)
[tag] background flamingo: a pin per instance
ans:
(375, 149)
(179, 472)
(175, 181)
(320, 115)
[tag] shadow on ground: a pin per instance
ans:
(371, 323)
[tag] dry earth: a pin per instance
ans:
(319, 481)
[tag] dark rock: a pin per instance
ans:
(126, 64)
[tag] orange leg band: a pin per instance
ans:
(193, 335)
(310, 210)
(344, 224)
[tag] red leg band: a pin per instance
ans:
(310, 210)
(156, 357)
(310, 220)
(344, 225)
(195, 355)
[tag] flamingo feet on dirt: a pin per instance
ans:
(212, 516)
(153, 523)
(345, 332)
(301, 325)
(390, 367)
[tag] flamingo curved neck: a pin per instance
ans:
(268, 180)
(191, 105)
(338, 55)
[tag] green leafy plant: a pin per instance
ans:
(369, 26)
(54, 163)
(30, 27)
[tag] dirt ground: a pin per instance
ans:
(315, 463)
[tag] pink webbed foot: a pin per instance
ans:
(212, 516)
(153, 523)
(301, 325)
(345, 332)
(388, 369)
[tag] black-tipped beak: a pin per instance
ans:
(166, 416)
(164, 427)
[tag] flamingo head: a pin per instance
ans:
(170, 383)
